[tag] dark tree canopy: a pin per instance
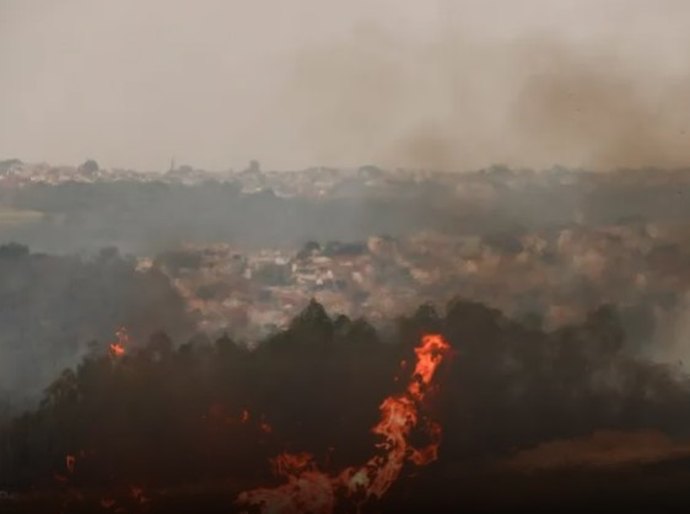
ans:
(317, 386)
(89, 166)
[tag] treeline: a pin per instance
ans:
(145, 217)
(209, 410)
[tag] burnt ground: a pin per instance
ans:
(644, 489)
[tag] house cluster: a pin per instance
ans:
(555, 275)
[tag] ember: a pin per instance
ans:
(70, 462)
(117, 348)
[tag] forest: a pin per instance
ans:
(162, 417)
(145, 217)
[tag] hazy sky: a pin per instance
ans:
(445, 84)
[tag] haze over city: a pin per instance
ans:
(445, 84)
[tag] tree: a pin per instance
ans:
(13, 251)
(310, 248)
(89, 166)
(8, 164)
(254, 167)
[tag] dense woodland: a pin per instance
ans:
(129, 213)
(164, 414)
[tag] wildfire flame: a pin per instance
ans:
(117, 348)
(310, 491)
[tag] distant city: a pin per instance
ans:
(546, 246)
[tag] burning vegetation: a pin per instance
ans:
(118, 347)
(309, 491)
(331, 415)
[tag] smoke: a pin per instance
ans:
(448, 85)
(56, 308)
(461, 103)
(595, 110)
(671, 342)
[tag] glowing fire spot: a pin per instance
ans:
(309, 491)
(70, 462)
(288, 464)
(117, 348)
(137, 493)
(107, 503)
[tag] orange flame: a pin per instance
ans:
(287, 464)
(117, 348)
(310, 491)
